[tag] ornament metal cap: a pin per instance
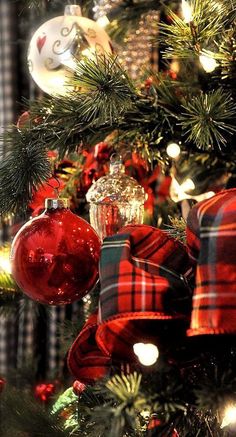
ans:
(57, 203)
(73, 10)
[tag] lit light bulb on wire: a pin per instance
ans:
(103, 21)
(147, 353)
(187, 12)
(5, 264)
(187, 185)
(229, 416)
(173, 150)
(209, 64)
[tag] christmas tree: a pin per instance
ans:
(146, 88)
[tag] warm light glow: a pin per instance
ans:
(173, 150)
(229, 416)
(147, 353)
(103, 21)
(177, 191)
(187, 185)
(5, 264)
(89, 53)
(57, 81)
(67, 60)
(145, 414)
(187, 11)
(208, 63)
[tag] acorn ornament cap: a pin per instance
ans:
(55, 256)
(56, 45)
(116, 200)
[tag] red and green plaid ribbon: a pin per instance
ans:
(211, 238)
(144, 278)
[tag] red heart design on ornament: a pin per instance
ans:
(40, 42)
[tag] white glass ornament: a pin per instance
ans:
(55, 45)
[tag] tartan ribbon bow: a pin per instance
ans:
(211, 238)
(85, 360)
(144, 278)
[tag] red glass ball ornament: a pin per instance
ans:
(43, 392)
(78, 387)
(2, 384)
(55, 256)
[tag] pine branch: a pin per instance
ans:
(23, 170)
(146, 122)
(22, 415)
(7, 284)
(109, 90)
(216, 390)
(226, 55)
(209, 119)
(182, 395)
(186, 39)
(125, 388)
(68, 121)
(177, 228)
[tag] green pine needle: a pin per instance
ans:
(177, 228)
(23, 170)
(185, 40)
(7, 284)
(109, 91)
(125, 387)
(208, 119)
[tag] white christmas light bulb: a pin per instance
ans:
(187, 185)
(147, 353)
(229, 416)
(208, 63)
(103, 21)
(88, 53)
(5, 264)
(187, 11)
(173, 150)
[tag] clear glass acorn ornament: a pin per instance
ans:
(116, 200)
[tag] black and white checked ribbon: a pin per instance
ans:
(8, 81)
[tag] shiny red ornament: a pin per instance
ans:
(55, 256)
(154, 423)
(102, 152)
(78, 387)
(148, 83)
(25, 120)
(43, 392)
(2, 384)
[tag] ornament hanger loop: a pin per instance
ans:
(116, 157)
(73, 10)
(56, 189)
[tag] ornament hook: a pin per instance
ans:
(56, 189)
